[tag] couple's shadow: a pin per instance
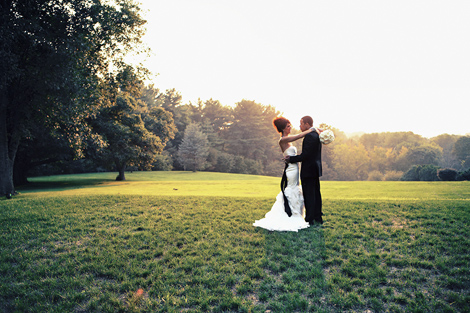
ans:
(293, 265)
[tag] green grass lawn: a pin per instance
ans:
(85, 243)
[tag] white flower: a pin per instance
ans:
(327, 136)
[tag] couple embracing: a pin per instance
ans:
(287, 213)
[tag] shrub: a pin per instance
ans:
(428, 173)
(239, 165)
(375, 176)
(224, 163)
(447, 174)
(393, 175)
(421, 173)
(464, 175)
(163, 162)
(412, 174)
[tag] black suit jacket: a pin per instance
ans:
(310, 156)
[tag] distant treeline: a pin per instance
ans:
(208, 136)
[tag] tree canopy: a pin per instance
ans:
(133, 133)
(58, 57)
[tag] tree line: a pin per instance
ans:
(209, 136)
(241, 139)
(70, 103)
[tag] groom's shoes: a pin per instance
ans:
(316, 222)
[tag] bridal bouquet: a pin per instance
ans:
(327, 136)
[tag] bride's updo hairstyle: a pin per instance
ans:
(280, 123)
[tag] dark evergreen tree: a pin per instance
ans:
(193, 151)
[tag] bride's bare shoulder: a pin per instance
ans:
(284, 145)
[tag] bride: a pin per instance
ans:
(277, 219)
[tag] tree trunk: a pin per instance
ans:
(20, 170)
(6, 168)
(121, 168)
(7, 149)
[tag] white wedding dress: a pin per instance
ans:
(277, 219)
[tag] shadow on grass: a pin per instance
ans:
(66, 183)
(294, 266)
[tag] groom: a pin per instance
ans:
(310, 172)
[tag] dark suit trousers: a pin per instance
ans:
(312, 199)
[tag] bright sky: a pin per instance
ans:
(358, 65)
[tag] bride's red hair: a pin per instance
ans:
(280, 123)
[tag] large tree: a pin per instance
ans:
(134, 135)
(447, 143)
(351, 161)
(215, 120)
(391, 140)
(419, 155)
(251, 135)
(171, 101)
(54, 56)
(219, 116)
(462, 151)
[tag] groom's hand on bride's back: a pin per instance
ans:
(286, 159)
